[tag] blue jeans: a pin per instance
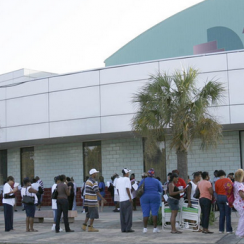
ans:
(225, 213)
(205, 204)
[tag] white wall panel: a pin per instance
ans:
(221, 77)
(83, 79)
(236, 114)
(2, 92)
(117, 98)
(3, 135)
(236, 84)
(27, 110)
(2, 114)
(117, 123)
(75, 127)
(236, 60)
(210, 63)
(74, 104)
(222, 114)
(28, 132)
(128, 73)
(29, 88)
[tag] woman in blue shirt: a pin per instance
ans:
(150, 200)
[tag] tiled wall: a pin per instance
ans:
(226, 156)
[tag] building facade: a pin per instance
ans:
(67, 124)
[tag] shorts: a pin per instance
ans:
(92, 213)
(30, 210)
(173, 203)
(150, 203)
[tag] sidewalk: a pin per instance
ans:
(109, 227)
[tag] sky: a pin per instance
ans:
(63, 36)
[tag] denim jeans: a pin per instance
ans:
(225, 213)
(205, 204)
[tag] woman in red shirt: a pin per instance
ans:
(224, 209)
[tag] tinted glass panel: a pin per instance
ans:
(27, 163)
(92, 157)
(3, 166)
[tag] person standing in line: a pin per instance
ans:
(191, 189)
(150, 200)
(123, 187)
(8, 203)
(133, 191)
(222, 201)
(213, 183)
(231, 177)
(205, 199)
(63, 204)
(114, 178)
(40, 182)
(101, 186)
(181, 184)
(83, 193)
(71, 196)
(30, 209)
(75, 193)
(54, 203)
(91, 202)
(239, 200)
(173, 201)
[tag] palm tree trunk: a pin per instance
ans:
(182, 164)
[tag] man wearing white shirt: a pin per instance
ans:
(123, 187)
(8, 202)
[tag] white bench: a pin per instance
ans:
(40, 215)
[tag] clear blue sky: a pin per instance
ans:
(63, 36)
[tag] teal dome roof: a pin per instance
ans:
(210, 26)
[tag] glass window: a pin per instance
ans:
(3, 166)
(155, 157)
(27, 163)
(92, 157)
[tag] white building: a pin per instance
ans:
(59, 124)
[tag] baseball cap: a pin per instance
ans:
(93, 171)
(125, 170)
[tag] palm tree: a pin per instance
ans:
(173, 105)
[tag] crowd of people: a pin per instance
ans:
(124, 189)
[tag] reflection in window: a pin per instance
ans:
(92, 157)
(3, 166)
(155, 157)
(27, 163)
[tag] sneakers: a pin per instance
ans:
(144, 230)
(83, 227)
(156, 230)
(92, 229)
(53, 227)
(221, 232)
(60, 230)
(177, 225)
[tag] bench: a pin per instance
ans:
(40, 215)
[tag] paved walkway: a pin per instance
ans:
(109, 227)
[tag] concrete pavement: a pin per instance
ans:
(109, 232)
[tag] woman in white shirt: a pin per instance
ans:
(30, 209)
(8, 202)
(54, 204)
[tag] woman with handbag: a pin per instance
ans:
(29, 199)
(8, 202)
(150, 200)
